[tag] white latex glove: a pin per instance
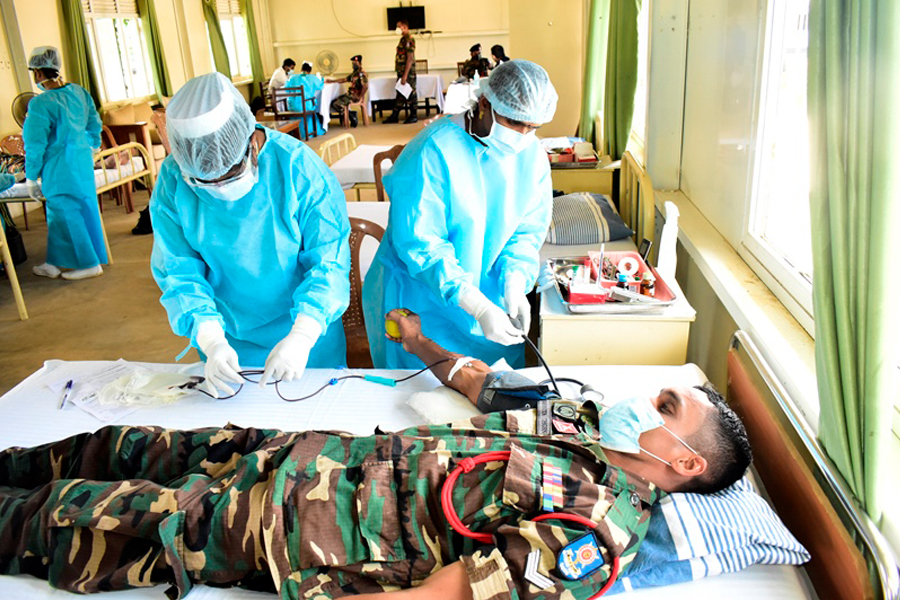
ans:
(221, 359)
(287, 361)
(493, 319)
(517, 306)
(34, 190)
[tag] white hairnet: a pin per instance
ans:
(520, 90)
(209, 126)
(45, 57)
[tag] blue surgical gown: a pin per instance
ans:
(460, 214)
(312, 85)
(255, 263)
(60, 133)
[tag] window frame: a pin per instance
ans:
(637, 139)
(229, 10)
(90, 19)
(792, 288)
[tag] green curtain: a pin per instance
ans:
(220, 54)
(77, 51)
(853, 86)
(621, 74)
(253, 41)
(594, 69)
(147, 10)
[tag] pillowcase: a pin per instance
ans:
(585, 218)
(692, 536)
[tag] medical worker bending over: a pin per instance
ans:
(470, 206)
(60, 134)
(250, 247)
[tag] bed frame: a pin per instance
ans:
(850, 557)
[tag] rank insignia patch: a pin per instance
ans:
(580, 558)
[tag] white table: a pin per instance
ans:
(640, 338)
(458, 97)
(30, 417)
(358, 167)
(325, 97)
(427, 86)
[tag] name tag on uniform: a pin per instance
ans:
(580, 558)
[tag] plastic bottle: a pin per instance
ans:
(667, 253)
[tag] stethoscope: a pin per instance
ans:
(469, 463)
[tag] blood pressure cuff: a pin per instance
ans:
(508, 390)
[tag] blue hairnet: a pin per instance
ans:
(209, 126)
(45, 57)
(520, 90)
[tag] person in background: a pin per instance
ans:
(405, 66)
(251, 240)
(470, 207)
(311, 84)
(498, 54)
(359, 85)
(280, 76)
(61, 133)
(476, 64)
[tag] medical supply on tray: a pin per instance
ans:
(609, 282)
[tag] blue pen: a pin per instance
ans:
(66, 393)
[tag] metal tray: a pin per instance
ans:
(663, 291)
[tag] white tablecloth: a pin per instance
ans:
(357, 166)
(427, 86)
(325, 97)
(458, 97)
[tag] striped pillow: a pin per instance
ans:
(585, 218)
(692, 536)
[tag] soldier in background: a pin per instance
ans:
(405, 65)
(476, 64)
(331, 514)
(359, 85)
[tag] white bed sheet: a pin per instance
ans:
(30, 416)
(101, 177)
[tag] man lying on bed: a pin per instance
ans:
(328, 514)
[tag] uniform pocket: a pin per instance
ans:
(378, 510)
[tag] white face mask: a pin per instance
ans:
(505, 140)
(398, 31)
(235, 188)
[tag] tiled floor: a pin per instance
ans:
(118, 314)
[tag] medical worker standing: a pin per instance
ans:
(471, 201)
(251, 240)
(60, 134)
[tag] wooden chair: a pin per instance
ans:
(391, 154)
(14, 144)
(280, 98)
(336, 148)
(422, 65)
(11, 273)
(358, 355)
(459, 68)
(265, 95)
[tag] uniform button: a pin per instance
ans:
(635, 500)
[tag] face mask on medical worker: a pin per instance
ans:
(622, 424)
(505, 140)
(235, 187)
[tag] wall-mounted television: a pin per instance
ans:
(414, 15)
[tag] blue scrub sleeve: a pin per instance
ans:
(419, 190)
(324, 259)
(94, 125)
(522, 252)
(179, 271)
(36, 135)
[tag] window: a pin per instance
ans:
(234, 33)
(639, 118)
(778, 242)
(117, 45)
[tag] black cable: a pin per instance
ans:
(543, 362)
(420, 371)
(563, 380)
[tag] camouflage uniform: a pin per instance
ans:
(358, 81)
(480, 65)
(315, 514)
(405, 46)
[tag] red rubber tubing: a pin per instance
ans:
(466, 465)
